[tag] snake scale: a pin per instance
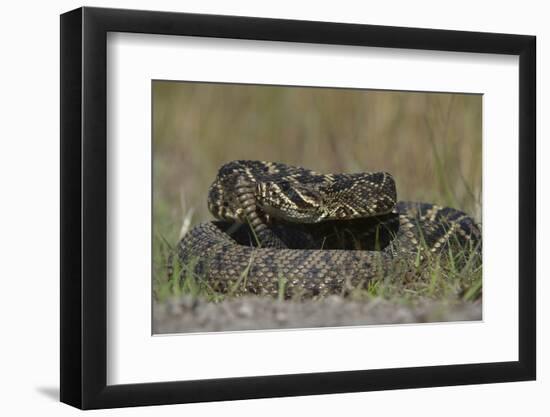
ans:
(290, 229)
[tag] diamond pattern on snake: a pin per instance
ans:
(279, 227)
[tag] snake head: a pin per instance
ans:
(342, 197)
(292, 202)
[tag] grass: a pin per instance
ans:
(453, 275)
(429, 142)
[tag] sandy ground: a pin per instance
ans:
(253, 313)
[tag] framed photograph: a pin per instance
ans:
(257, 207)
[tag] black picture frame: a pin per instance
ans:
(84, 207)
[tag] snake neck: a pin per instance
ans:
(246, 197)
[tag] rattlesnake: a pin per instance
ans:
(289, 229)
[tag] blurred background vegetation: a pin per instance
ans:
(430, 142)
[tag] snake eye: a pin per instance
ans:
(305, 196)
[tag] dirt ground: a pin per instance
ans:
(185, 315)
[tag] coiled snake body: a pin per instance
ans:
(290, 229)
